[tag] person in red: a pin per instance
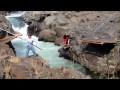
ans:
(65, 40)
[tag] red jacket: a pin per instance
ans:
(64, 41)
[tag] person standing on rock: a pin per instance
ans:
(30, 43)
(65, 40)
(30, 40)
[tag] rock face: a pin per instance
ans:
(83, 25)
(99, 58)
(12, 67)
(35, 15)
(6, 50)
(31, 68)
(6, 47)
(5, 38)
(4, 24)
(47, 35)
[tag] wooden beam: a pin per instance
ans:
(86, 41)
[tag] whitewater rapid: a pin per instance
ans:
(49, 53)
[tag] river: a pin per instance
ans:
(50, 51)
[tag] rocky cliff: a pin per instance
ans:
(84, 25)
(12, 67)
(31, 68)
(5, 38)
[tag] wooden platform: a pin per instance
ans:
(97, 41)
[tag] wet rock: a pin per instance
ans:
(64, 52)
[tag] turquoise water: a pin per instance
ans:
(49, 53)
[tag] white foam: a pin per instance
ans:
(22, 30)
(16, 14)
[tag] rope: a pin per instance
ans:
(25, 40)
(19, 37)
(107, 21)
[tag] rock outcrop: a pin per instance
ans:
(6, 50)
(4, 24)
(6, 47)
(31, 68)
(47, 35)
(12, 67)
(98, 58)
(36, 15)
(82, 25)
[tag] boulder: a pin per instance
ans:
(47, 35)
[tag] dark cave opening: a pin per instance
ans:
(98, 49)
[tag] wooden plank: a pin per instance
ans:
(97, 41)
(86, 41)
